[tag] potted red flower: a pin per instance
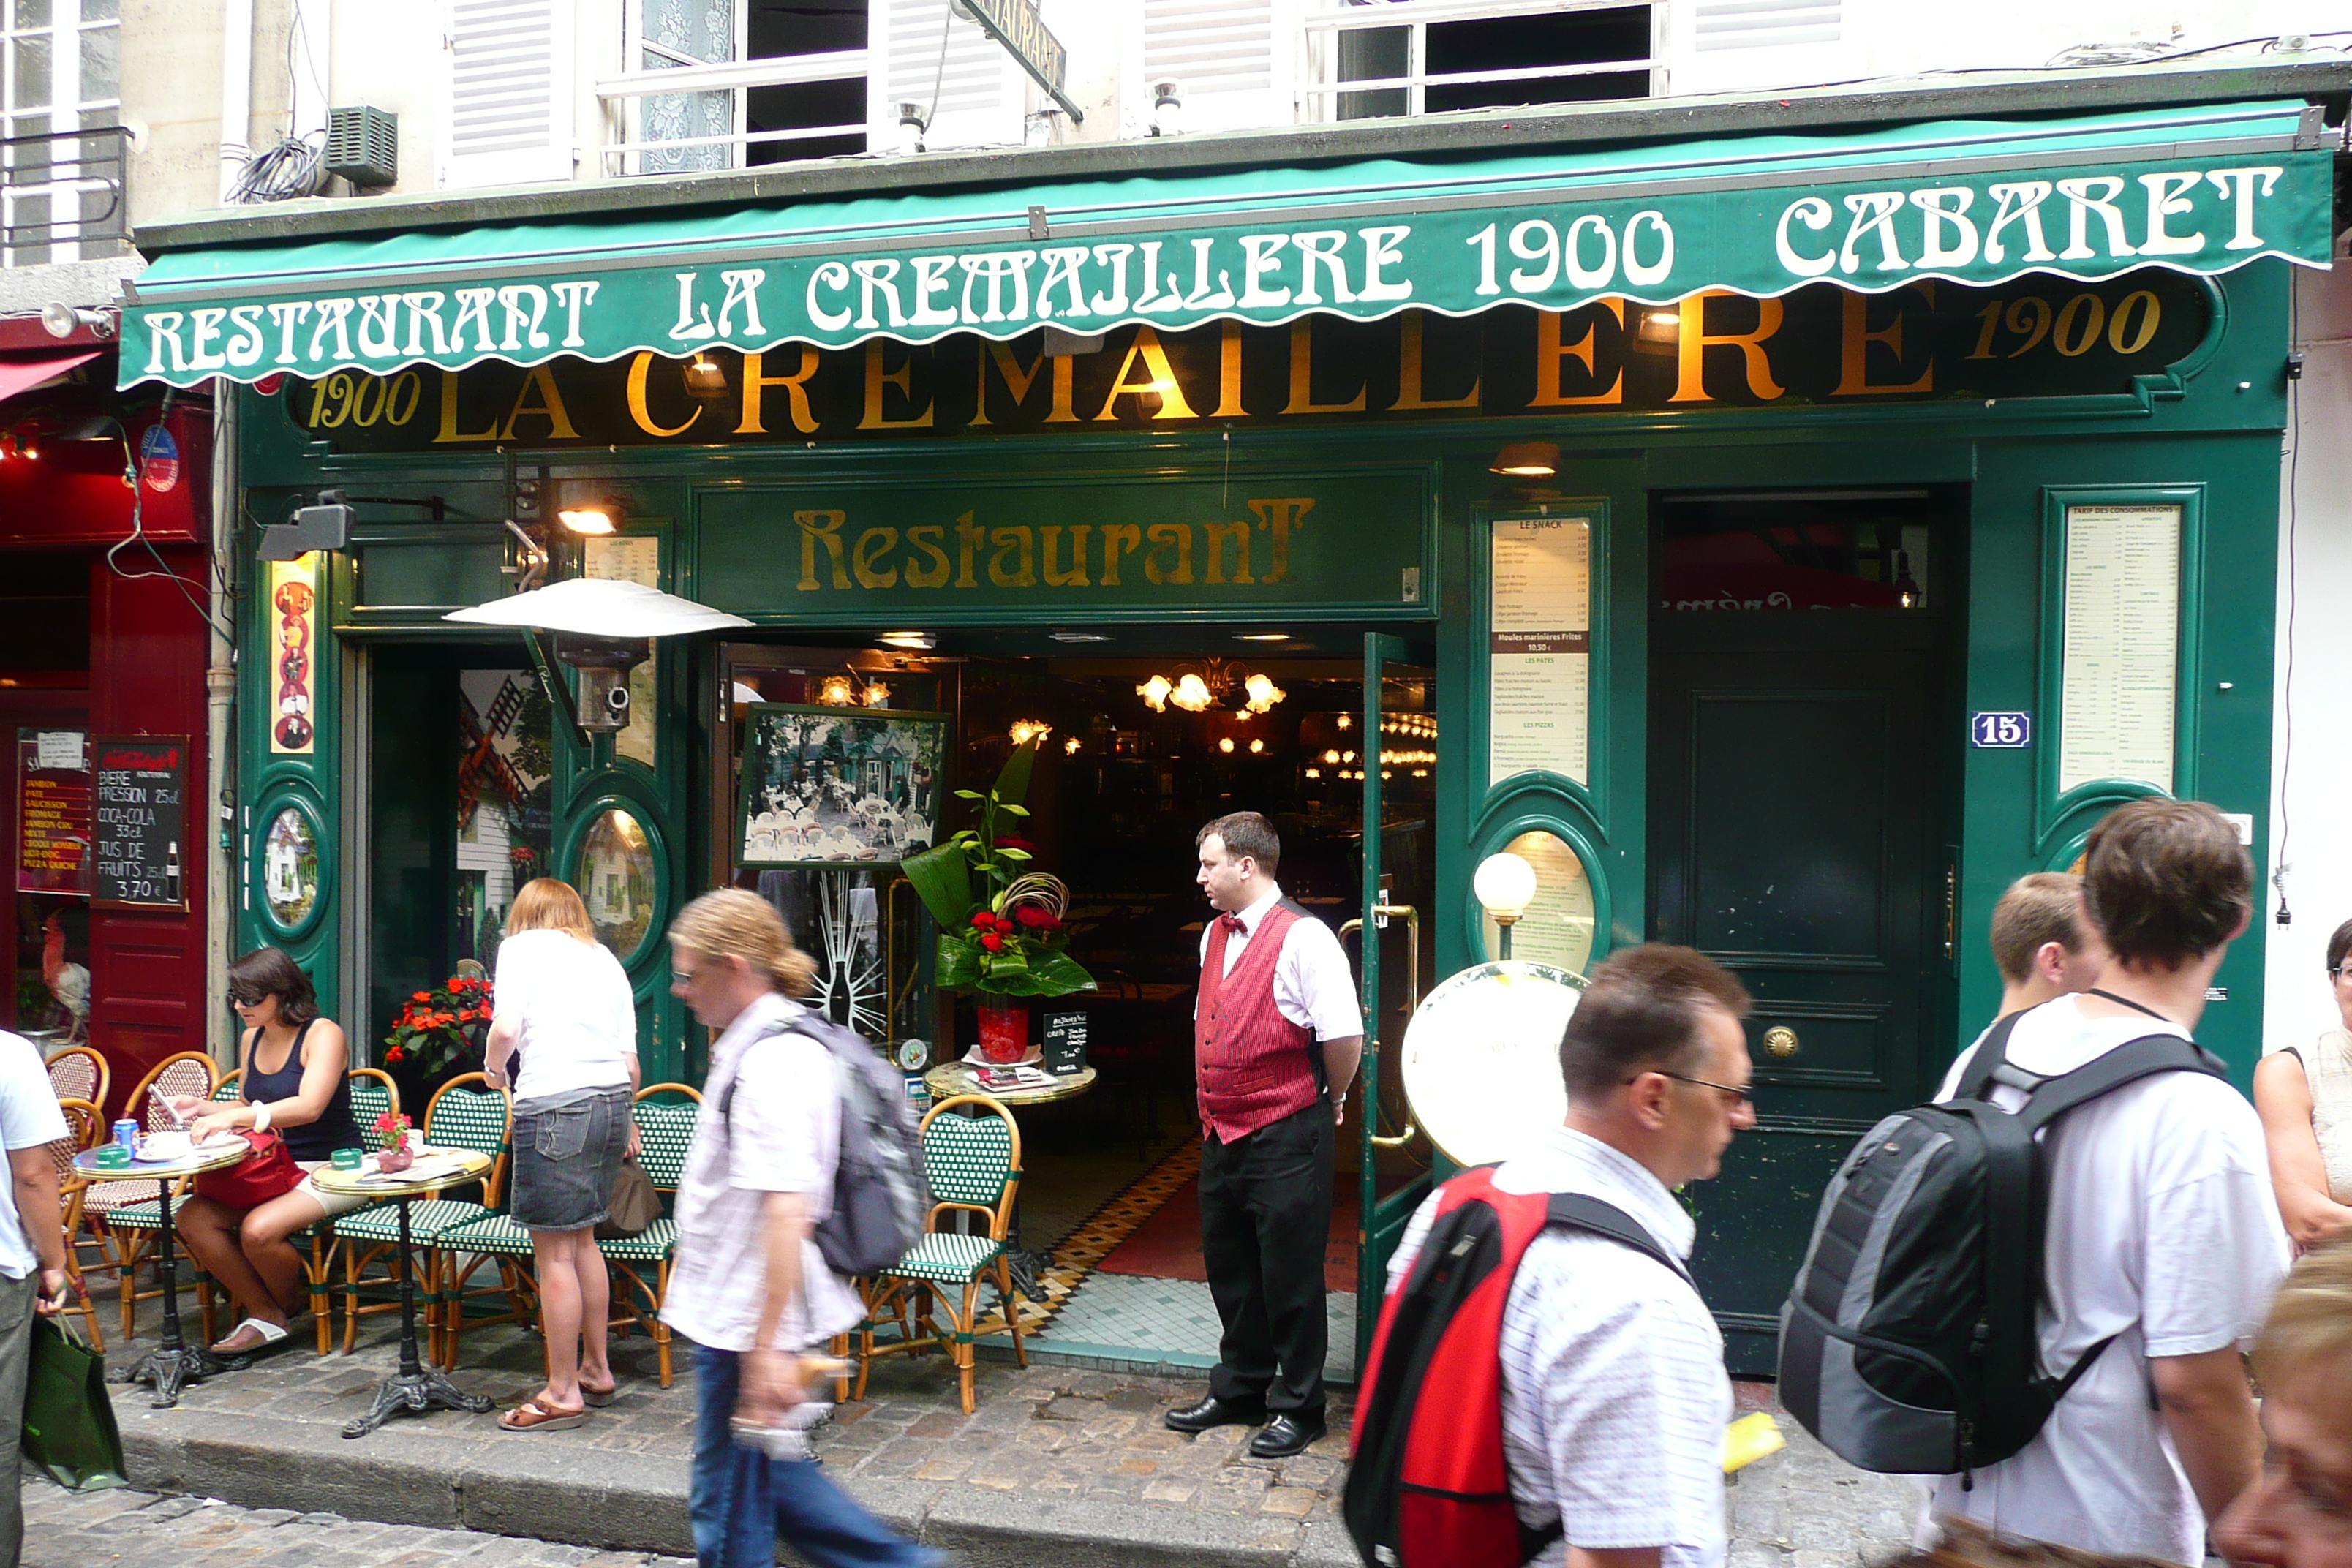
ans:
(438, 1034)
(392, 1142)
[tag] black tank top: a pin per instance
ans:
(313, 1140)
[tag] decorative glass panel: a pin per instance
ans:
(1558, 926)
(290, 866)
(616, 877)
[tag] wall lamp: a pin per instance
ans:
(1167, 109)
(325, 525)
(62, 320)
(586, 518)
(911, 126)
(1526, 459)
(1505, 885)
(705, 381)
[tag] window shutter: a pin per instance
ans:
(510, 84)
(1766, 24)
(1222, 54)
(976, 104)
(1728, 45)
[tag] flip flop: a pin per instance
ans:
(269, 1335)
(600, 1397)
(537, 1415)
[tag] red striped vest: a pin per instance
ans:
(1253, 1065)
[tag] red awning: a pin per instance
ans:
(21, 375)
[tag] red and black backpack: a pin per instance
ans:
(1428, 1486)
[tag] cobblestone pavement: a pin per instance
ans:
(71, 1530)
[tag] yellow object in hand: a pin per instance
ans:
(1749, 1438)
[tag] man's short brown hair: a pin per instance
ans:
(2041, 907)
(2167, 880)
(1640, 1013)
(1245, 833)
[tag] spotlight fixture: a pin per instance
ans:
(911, 126)
(1024, 730)
(1659, 331)
(913, 642)
(705, 381)
(326, 525)
(587, 517)
(1526, 459)
(62, 320)
(1167, 109)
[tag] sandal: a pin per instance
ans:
(263, 1335)
(538, 1415)
(599, 1397)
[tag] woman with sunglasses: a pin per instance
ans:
(2305, 1095)
(293, 1082)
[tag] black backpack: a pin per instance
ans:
(1908, 1344)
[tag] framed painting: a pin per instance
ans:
(834, 786)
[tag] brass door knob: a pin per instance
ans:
(1780, 1040)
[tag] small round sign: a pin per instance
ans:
(159, 460)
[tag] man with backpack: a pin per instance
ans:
(751, 1285)
(2043, 942)
(1601, 1425)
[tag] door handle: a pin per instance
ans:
(1412, 999)
(1780, 1040)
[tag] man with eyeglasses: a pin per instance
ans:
(1614, 1394)
(2298, 1514)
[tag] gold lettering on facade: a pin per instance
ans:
(1280, 516)
(1302, 376)
(1161, 383)
(1549, 353)
(795, 387)
(1049, 540)
(871, 543)
(550, 407)
(877, 379)
(1856, 336)
(1118, 538)
(639, 368)
(1410, 392)
(1165, 537)
(929, 538)
(1014, 564)
(815, 526)
(449, 431)
(1219, 532)
(969, 538)
(1690, 384)
(1017, 381)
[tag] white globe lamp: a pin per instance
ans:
(1505, 886)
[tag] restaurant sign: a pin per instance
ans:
(1262, 247)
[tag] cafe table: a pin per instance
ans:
(174, 1361)
(951, 1078)
(416, 1387)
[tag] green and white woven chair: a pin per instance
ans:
(124, 1212)
(971, 1162)
(464, 1113)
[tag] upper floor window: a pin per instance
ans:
(60, 69)
(1369, 59)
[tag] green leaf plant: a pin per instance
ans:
(1001, 924)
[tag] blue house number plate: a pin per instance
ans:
(2011, 729)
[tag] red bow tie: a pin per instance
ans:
(1232, 924)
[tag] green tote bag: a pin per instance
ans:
(69, 1427)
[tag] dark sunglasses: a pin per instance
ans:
(248, 998)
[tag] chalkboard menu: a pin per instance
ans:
(141, 821)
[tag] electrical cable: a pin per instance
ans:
(293, 168)
(939, 77)
(2286, 682)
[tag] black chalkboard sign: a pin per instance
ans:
(139, 821)
(1066, 1042)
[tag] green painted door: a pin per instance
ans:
(1795, 837)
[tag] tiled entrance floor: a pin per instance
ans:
(1123, 1316)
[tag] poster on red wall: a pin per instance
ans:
(52, 811)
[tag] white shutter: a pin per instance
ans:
(510, 81)
(1731, 45)
(1766, 24)
(1222, 54)
(966, 91)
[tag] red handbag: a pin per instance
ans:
(268, 1172)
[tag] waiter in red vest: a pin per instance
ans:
(1277, 1036)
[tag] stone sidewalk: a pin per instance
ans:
(1058, 1464)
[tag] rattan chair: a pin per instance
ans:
(85, 1129)
(973, 1165)
(464, 1113)
(124, 1211)
(79, 1072)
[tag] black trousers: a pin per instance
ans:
(1266, 1215)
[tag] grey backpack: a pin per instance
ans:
(1909, 1343)
(879, 1200)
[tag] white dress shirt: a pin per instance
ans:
(1313, 986)
(1614, 1396)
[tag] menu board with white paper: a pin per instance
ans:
(1540, 649)
(2122, 650)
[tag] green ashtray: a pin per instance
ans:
(113, 1157)
(346, 1159)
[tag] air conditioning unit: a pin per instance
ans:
(363, 146)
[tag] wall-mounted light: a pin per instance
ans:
(911, 126)
(1659, 330)
(62, 320)
(1167, 109)
(591, 517)
(1505, 885)
(1024, 730)
(1526, 459)
(705, 381)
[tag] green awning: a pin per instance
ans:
(2200, 190)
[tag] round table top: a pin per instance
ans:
(195, 1163)
(436, 1173)
(951, 1078)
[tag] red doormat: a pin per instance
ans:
(1168, 1245)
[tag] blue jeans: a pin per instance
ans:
(742, 1500)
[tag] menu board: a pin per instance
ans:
(631, 558)
(52, 811)
(141, 821)
(2119, 681)
(1540, 667)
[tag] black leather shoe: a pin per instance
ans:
(1214, 1412)
(1285, 1436)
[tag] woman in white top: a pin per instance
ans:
(2305, 1093)
(564, 1002)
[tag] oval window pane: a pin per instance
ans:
(1558, 927)
(616, 881)
(290, 866)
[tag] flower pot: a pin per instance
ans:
(395, 1159)
(1004, 1032)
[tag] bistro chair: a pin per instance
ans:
(85, 1129)
(79, 1072)
(665, 1132)
(971, 1162)
(124, 1211)
(464, 1113)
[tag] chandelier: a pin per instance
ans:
(1196, 688)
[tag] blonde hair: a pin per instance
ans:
(547, 904)
(733, 923)
(2308, 1336)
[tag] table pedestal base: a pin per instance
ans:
(167, 1369)
(416, 1393)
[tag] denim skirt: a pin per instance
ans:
(566, 1161)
